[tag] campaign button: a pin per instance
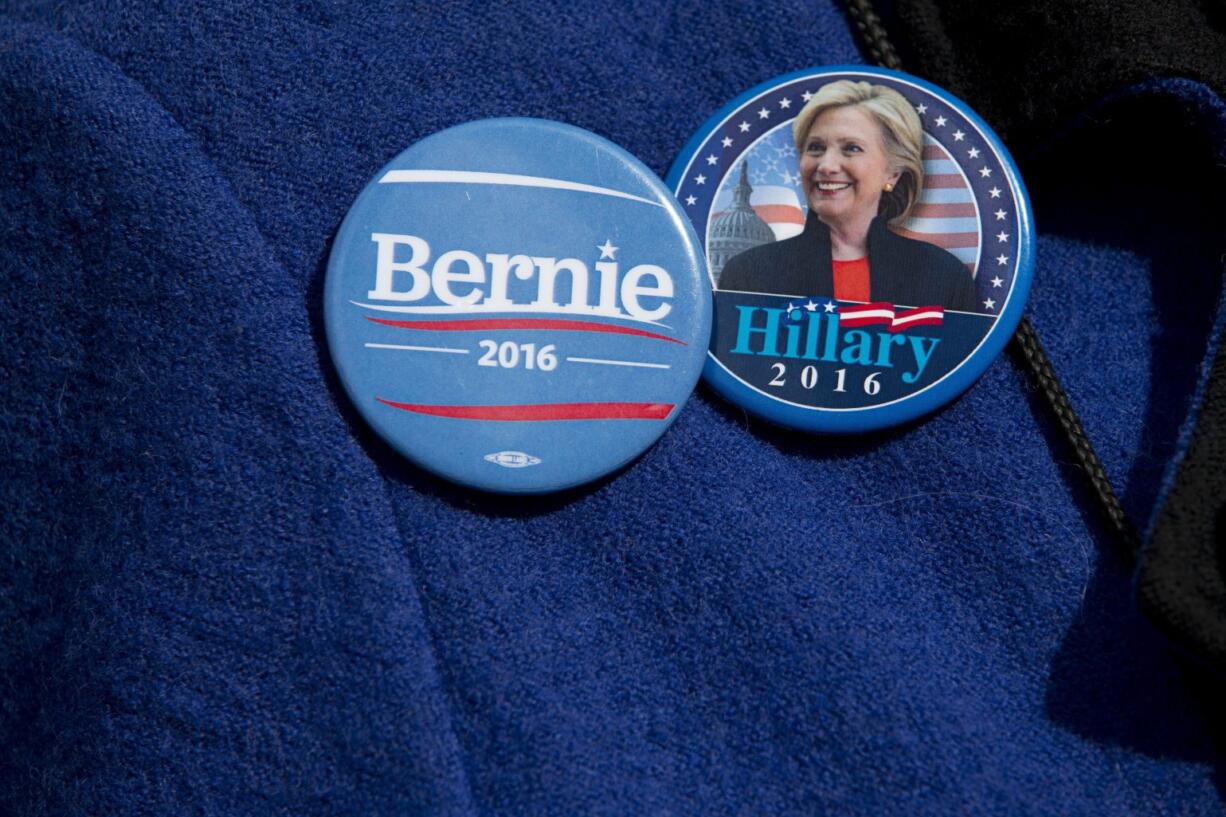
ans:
(870, 247)
(517, 305)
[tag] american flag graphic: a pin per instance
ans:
(945, 214)
(884, 314)
(781, 208)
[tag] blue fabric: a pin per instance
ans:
(221, 594)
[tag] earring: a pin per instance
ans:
(889, 188)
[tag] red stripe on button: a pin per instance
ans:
(943, 180)
(950, 241)
(543, 411)
(779, 213)
(930, 210)
(496, 324)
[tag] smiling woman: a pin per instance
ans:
(861, 170)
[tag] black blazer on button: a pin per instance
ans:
(901, 270)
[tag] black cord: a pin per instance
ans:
(1026, 343)
(1025, 340)
(873, 34)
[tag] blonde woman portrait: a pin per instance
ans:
(860, 147)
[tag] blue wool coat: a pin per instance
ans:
(221, 594)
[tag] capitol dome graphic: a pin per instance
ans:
(737, 228)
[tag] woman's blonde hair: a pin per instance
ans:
(901, 134)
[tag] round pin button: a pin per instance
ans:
(517, 305)
(869, 243)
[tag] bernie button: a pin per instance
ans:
(517, 305)
(869, 244)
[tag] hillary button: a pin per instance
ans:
(517, 305)
(869, 243)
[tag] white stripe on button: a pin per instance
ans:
(512, 179)
(617, 362)
(446, 349)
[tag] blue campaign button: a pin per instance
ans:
(517, 305)
(870, 247)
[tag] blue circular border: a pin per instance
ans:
(952, 384)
